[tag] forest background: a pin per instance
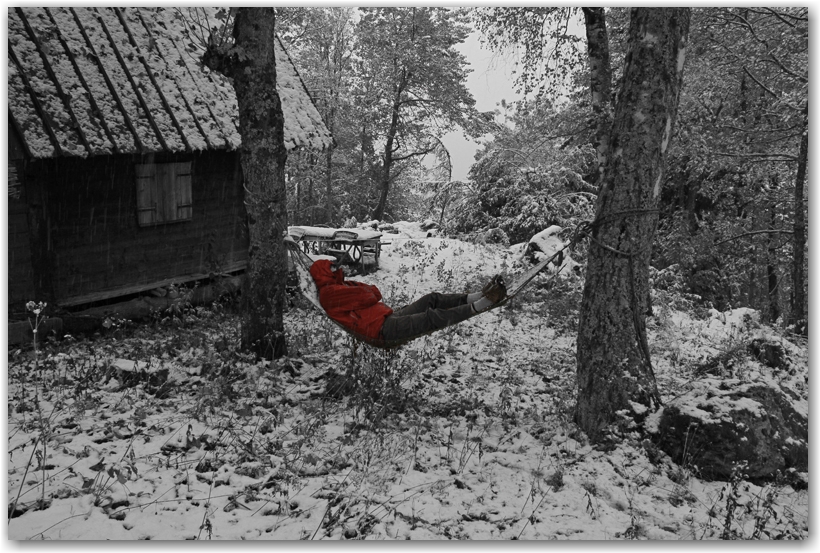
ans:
(733, 204)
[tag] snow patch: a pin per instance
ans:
(638, 408)
(650, 38)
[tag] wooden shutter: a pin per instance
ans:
(164, 193)
(182, 191)
(147, 213)
(166, 202)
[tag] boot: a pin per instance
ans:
(492, 293)
(495, 290)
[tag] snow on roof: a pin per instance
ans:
(97, 81)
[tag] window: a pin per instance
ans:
(163, 193)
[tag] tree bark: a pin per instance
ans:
(366, 164)
(297, 213)
(798, 307)
(329, 185)
(330, 123)
(613, 365)
(600, 73)
(384, 185)
(250, 62)
(310, 193)
(771, 263)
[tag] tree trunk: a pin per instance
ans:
(798, 307)
(330, 123)
(251, 65)
(691, 200)
(329, 186)
(378, 214)
(384, 185)
(366, 165)
(614, 369)
(771, 263)
(600, 73)
(310, 194)
(297, 213)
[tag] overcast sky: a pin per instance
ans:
(490, 82)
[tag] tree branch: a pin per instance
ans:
(772, 231)
(767, 157)
(415, 154)
(782, 16)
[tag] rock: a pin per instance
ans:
(495, 236)
(545, 244)
(770, 353)
(723, 422)
(762, 348)
(428, 224)
(547, 241)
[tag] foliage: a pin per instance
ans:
(530, 176)
(322, 45)
(389, 82)
(412, 81)
(726, 206)
(550, 54)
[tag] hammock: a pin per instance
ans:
(307, 286)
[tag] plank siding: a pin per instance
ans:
(21, 275)
(97, 243)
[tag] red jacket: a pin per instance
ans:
(356, 305)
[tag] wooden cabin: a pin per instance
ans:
(124, 170)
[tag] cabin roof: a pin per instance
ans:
(97, 81)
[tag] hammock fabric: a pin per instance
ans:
(307, 286)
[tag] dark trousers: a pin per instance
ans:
(428, 313)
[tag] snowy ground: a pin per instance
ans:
(464, 434)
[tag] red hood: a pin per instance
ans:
(323, 274)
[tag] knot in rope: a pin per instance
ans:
(584, 228)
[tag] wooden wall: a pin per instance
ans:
(21, 287)
(95, 244)
(21, 277)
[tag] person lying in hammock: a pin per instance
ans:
(358, 306)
